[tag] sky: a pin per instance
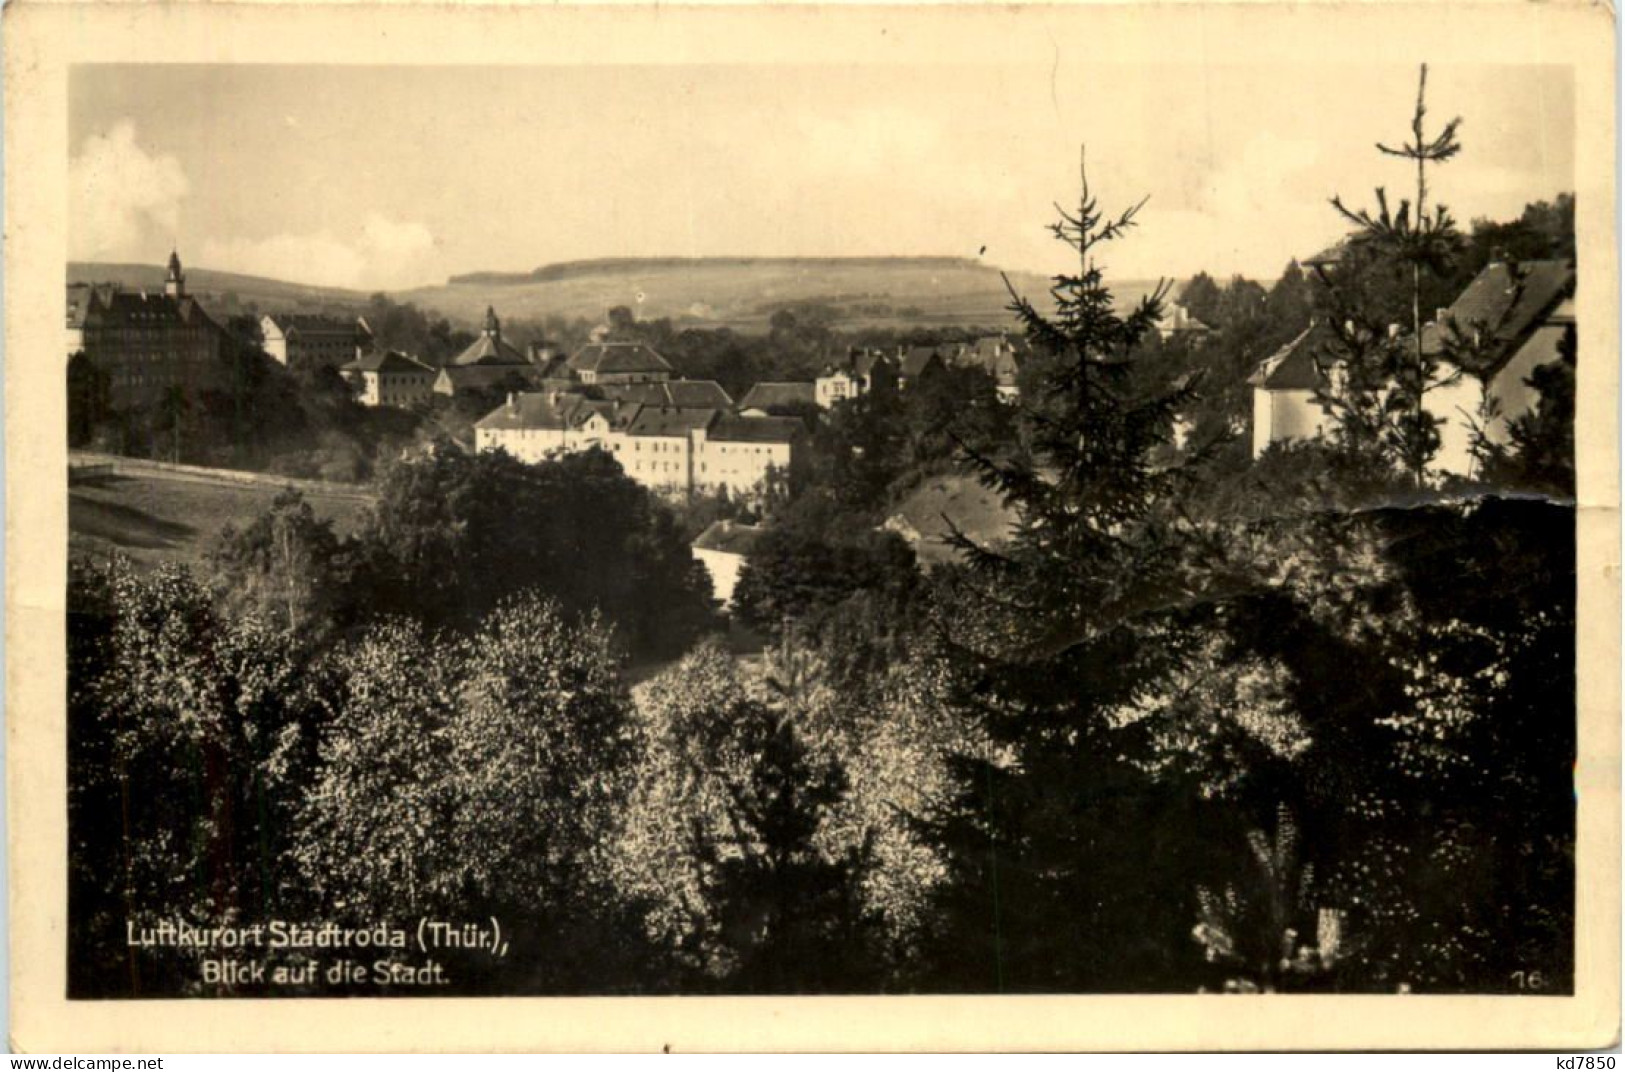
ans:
(389, 177)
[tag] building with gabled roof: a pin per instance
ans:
(389, 378)
(692, 394)
(142, 345)
(1286, 386)
(455, 380)
(1509, 321)
(1178, 323)
(1000, 357)
(490, 348)
(918, 363)
(303, 341)
(672, 449)
(862, 370)
(619, 362)
(722, 549)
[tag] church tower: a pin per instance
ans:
(493, 326)
(175, 281)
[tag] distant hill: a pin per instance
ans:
(743, 292)
(225, 293)
(739, 292)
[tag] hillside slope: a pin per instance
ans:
(739, 292)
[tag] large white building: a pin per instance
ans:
(671, 449)
(1286, 387)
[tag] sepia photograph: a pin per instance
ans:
(1055, 524)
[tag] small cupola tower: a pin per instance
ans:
(493, 326)
(175, 280)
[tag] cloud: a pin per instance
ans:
(383, 253)
(124, 202)
(1252, 214)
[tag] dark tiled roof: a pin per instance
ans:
(478, 377)
(865, 361)
(490, 350)
(386, 361)
(1331, 255)
(729, 537)
(315, 324)
(688, 394)
(544, 409)
(130, 308)
(80, 297)
(758, 429)
(918, 359)
(1293, 366)
(617, 357)
(669, 421)
(777, 395)
(1495, 302)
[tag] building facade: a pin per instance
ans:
(301, 342)
(618, 363)
(722, 549)
(673, 450)
(143, 345)
(1505, 324)
(390, 378)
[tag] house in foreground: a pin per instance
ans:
(1509, 321)
(722, 549)
(1286, 391)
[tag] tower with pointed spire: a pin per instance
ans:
(175, 280)
(493, 326)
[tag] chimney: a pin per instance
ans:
(511, 400)
(1439, 315)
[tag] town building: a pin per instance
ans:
(303, 342)
(1505, 324)
(1001, 357)
(671, 449)
(618, 362)
(862, 371)
(141, 345)
(491, 363)
(1287, 388)
(722, 549)
(1178, 323)
(919, 364)
(389, 378)
(454, 381)
(685, 394)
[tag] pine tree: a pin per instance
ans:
(1384, 377)
(1056, 845)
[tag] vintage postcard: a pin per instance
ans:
(782, 527)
